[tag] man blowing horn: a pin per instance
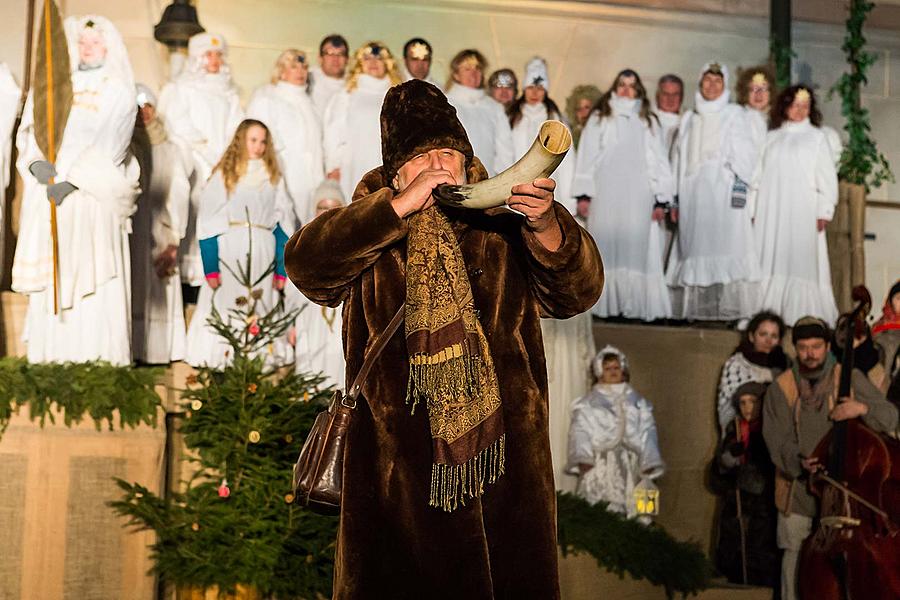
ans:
(447, 484)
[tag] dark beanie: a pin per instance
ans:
(809, 327)
(751, 388)
(415, 118)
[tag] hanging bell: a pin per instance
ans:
(179, 22)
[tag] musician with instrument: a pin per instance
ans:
(447, 480)
(800, 409)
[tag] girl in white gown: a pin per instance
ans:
(201, 109)
(353, 117)
(613, 443)
(755, 88)
(244, 210)
(622, 165)
(793, 198)
(93, 322)
(288, 112)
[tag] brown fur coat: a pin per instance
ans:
(391, 544)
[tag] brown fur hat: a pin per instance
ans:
(415, 118)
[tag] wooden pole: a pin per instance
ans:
(857, 209)
(51, 151)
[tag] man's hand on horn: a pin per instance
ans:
(416, 195)
(535, 201)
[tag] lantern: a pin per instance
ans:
(646, 498)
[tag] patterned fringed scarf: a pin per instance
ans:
(450, 365)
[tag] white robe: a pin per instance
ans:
(322, 89)
(9, 103)
(796, 184)
(716, 273)
(287, 111)
(226, 216)
(158, 329)
(201, 112)
(486, 124)
(405, 74)
(92, 223)
(622, 166)
(668, 124)
(613, 429)
(353, 131)
(523, 135)
(320, 347)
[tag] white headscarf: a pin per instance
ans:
(116, 63)
(701, 104)
(195, 68)
(607, 350)
(536, 73)
(144, 95)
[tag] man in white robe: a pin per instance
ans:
(483, 118)
(201, 109)
(327, 79)
(158, 329)
(95, 187)
(716, 275)
(286, 109)
(613, 444)
(9, 104)
(417, 56)
(669, 98)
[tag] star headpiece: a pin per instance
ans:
(419, 51)
(802, 95)
(759, 78)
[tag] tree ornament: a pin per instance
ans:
(224, 490)
(253, 437)
(289, 498)
(196, 405)
(195, 526)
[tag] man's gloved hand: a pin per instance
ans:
(42, 171)
(58, 191)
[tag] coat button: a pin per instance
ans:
(478, 314)
(475, 273)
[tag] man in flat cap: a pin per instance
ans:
(447, 484)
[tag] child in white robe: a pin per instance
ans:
(245, 214)
(612, 440)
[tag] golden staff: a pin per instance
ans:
(52, 102)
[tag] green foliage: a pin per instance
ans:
(625, 546)
(781, 55)
(235, 522)
(78, 389)
(861, 162)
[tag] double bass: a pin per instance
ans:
(854, 550)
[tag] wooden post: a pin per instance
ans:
(857, 210)
(838, 236)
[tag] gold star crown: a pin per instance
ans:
(715, 68)
(470, 61)
(214, 42)
(802, 95)
(759, 79)
(419, 51)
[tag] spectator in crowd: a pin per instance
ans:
(669, 98)
(327, 79)
(758, 358)
(245, 212)
(886, 332)
(485, 121)
(527, 114)
(792, 199)
(579, 105)
(612, 439)
(716, 272)
(157, 228)
(799, 409)
(352, 135)
(623, 168)
(78, 308)
(743, 474)
(417, 58)
(201, 109)
(503, 86)
(286, 109)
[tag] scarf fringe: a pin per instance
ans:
(452, 485)
(430, 378)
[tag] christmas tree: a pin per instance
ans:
(235, 523)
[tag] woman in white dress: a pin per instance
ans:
(793, 199)
(353, 117)
(714, 271)
(483, 118)
(95, 187)
(623, 167)
(201, 109)
(243, 212)
(613, 443)
(755, 88)
(288, 112)
(158, 226)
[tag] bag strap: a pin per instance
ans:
(376, 350)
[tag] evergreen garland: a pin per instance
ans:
(96, 389)
(861, 162)
(235, 522)
(626, 546)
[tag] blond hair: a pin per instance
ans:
(285, 59)
(384, 54)
(233, 164)
(462, 56)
